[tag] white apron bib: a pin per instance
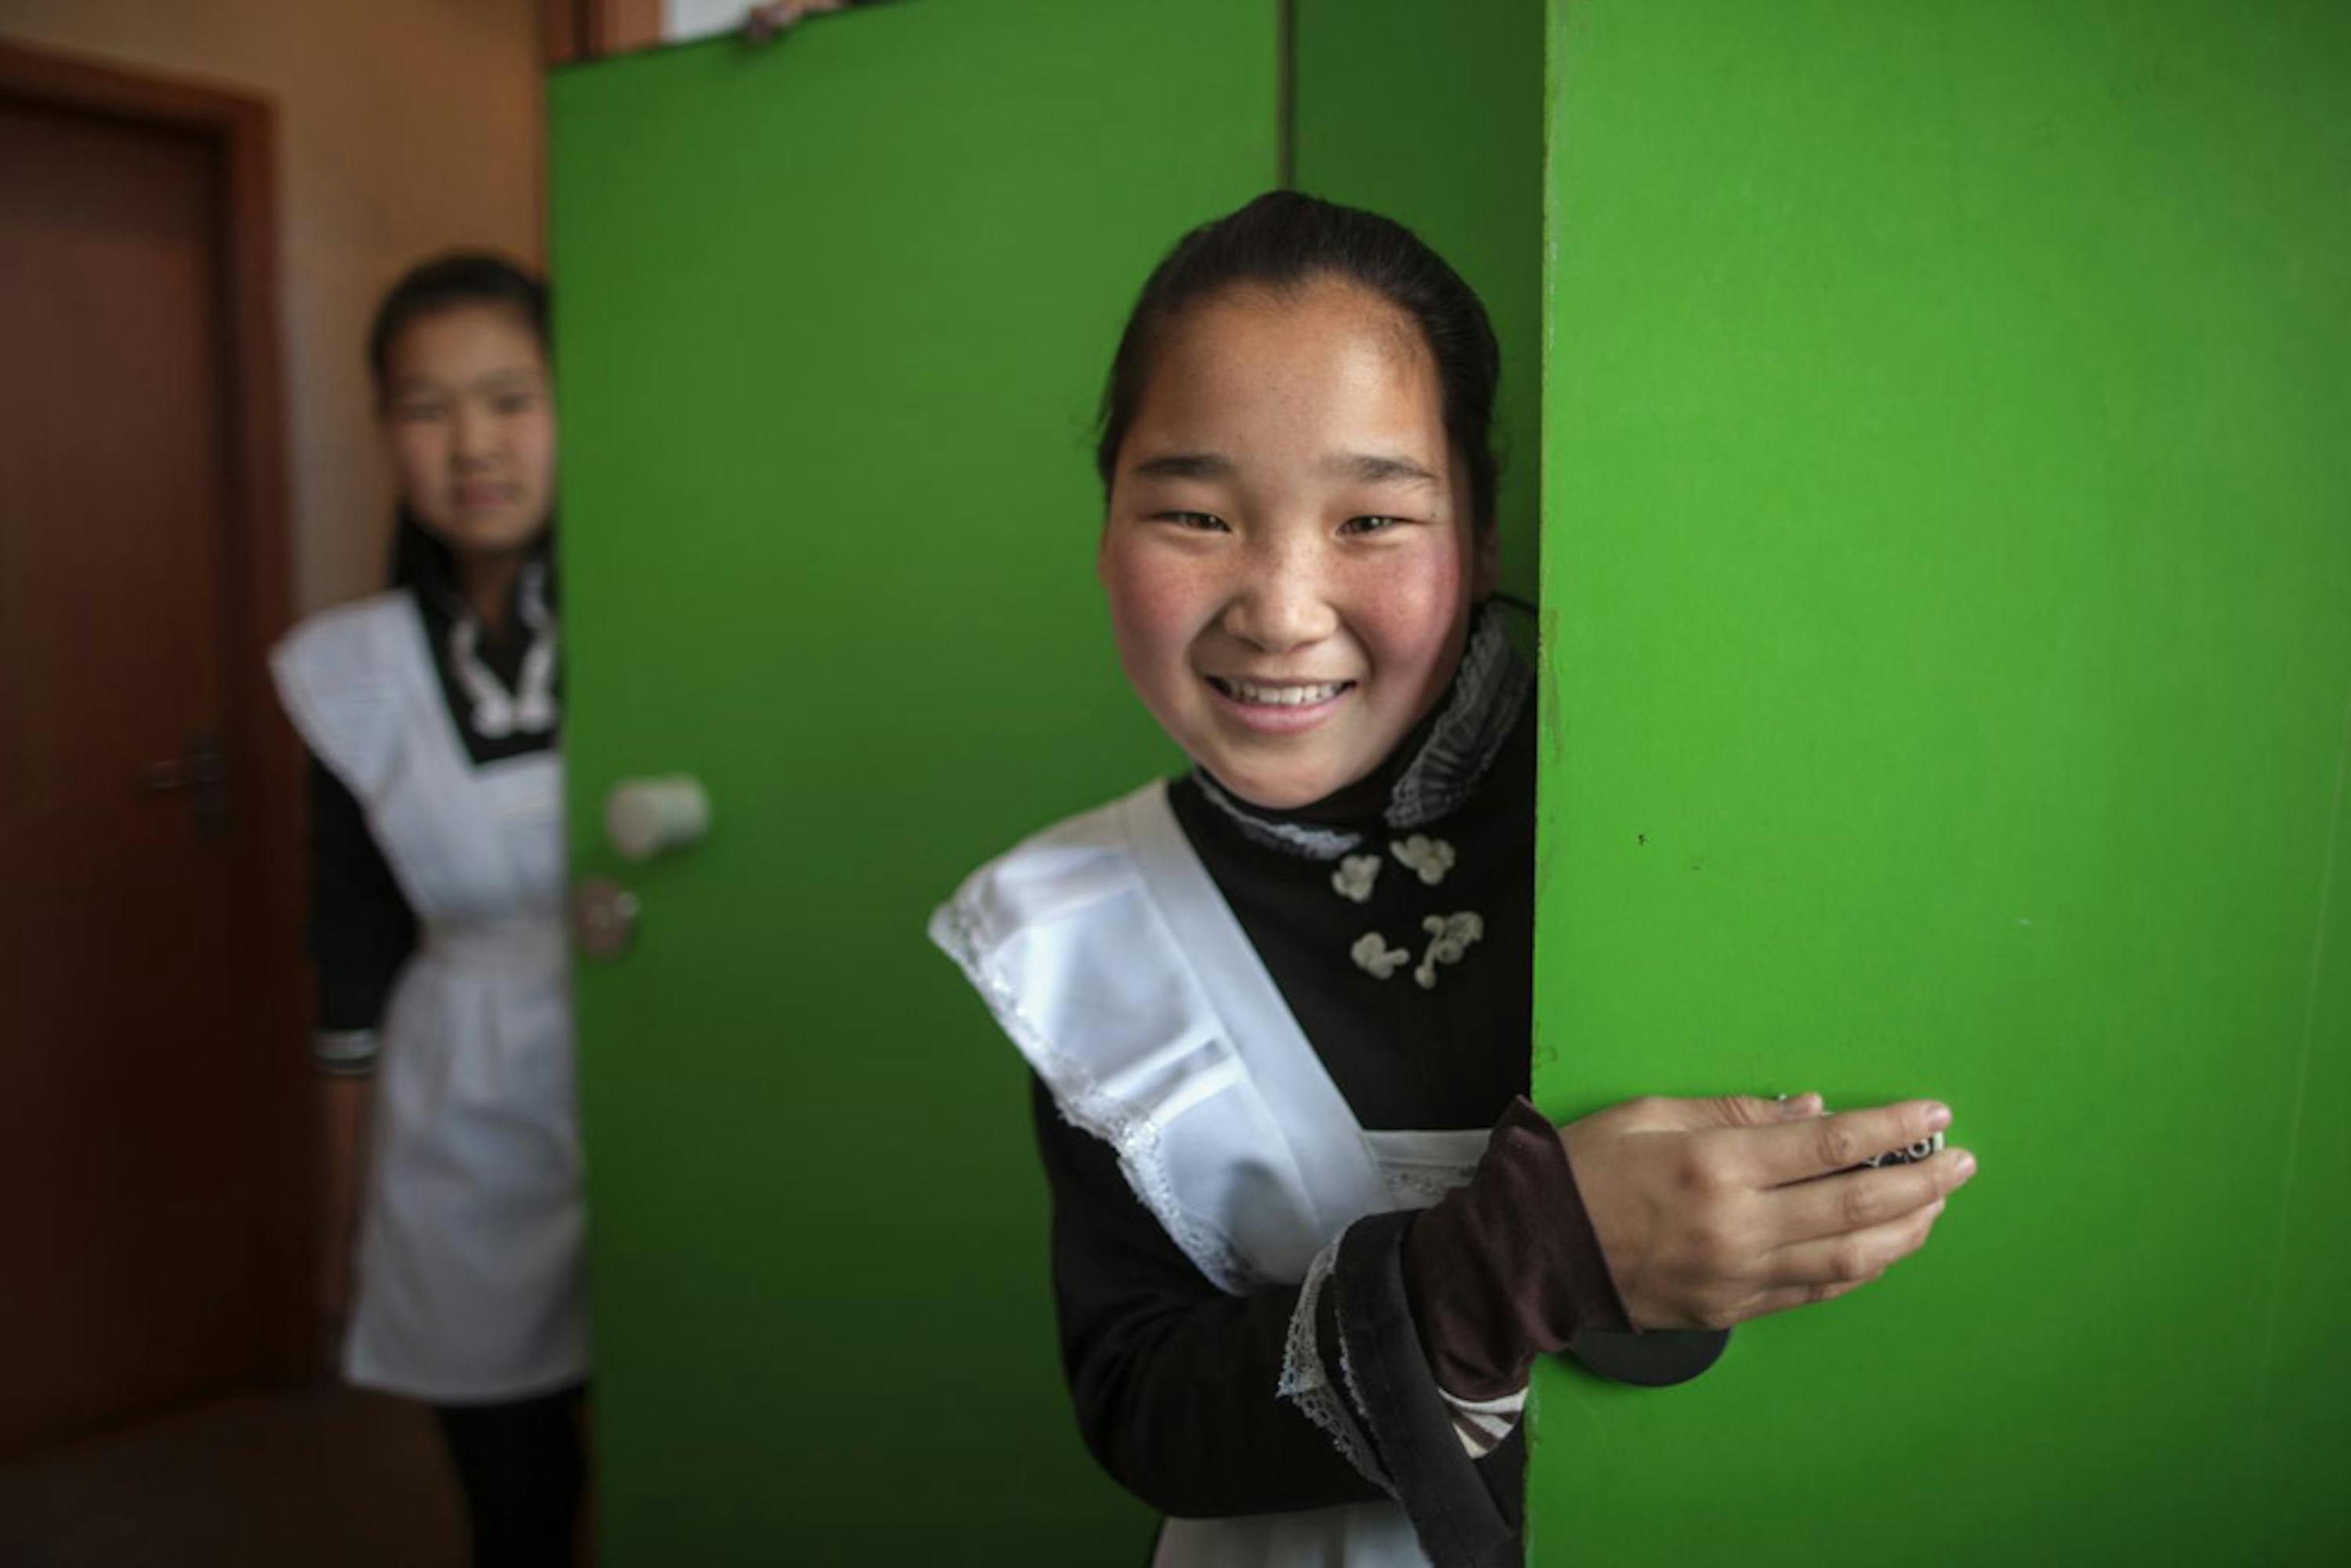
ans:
(1107, 952)
(469, 1284)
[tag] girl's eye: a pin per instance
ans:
(1371, 524)
(1203, 522)
(515, 402)
(418, 412)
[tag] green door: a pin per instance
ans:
(1462, 166)
(1948, 576)
(832, 319)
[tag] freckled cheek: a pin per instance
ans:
(1156, 607)
(535, 450)
(1404, 619)
(421, 458)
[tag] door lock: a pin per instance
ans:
(202, 775)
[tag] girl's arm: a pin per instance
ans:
(1178, 1385)
(361, 929)
(1701, 1213)
(360, 932)
(1173, 1379)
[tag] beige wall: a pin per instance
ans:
(403, 127)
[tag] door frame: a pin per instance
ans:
(239, 134)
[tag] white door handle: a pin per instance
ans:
(644, 817)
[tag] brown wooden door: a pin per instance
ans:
(146, 1118)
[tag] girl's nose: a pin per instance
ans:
(476, 435)
(1281, 600)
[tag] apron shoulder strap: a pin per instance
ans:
(1151, 1046)
(343, 676)
(1061, 942)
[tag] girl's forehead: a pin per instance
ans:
(1328, 352)
(467, 338)
(1327, 314)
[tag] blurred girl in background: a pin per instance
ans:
(452, 1254)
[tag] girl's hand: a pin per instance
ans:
(343, 1105)
(763, 22)
(1714, 1212)
(331, 1296)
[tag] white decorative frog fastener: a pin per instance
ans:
(1449, 938)
(1373, 953)
(1432, 858)
(1352, 881)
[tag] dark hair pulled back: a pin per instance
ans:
(1284, 240)
(459, 278)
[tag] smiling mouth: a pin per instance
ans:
(1283, 693)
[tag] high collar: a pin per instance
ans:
(426, 565)
(1431, 772)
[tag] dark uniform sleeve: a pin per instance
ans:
(1175, 1382)
(361, 930)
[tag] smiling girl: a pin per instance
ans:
(445, 1023)
(1308, 1234)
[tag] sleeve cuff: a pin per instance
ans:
(1461, 1520)
(1314, 1371)
(1509, 1266)
(344, 1053)
(1484, 1425)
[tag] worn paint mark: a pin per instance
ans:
(1547, 684)
(2302, 1067)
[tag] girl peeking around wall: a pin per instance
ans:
(437, 879)
(1308, 1236)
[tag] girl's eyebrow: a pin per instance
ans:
(488, 381)
(1184, 465)
(1371, 468)
(1363, 468)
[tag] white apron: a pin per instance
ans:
(1108, 953)
(469, 1286)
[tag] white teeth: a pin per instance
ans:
(1285, 696)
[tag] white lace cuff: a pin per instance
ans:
(344, 1053)
(1482, 1424)
(1306, 1384)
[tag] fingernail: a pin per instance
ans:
(1937, 1118)
(1804, 1105)
(1965, 1164)
(1935, 1209)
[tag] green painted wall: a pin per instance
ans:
(1435, 118)
(832, 320)
(1948, 582)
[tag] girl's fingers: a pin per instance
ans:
(1780, 1300)
(1799, 1149)
(1852, 1257)
(1857, 1201)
